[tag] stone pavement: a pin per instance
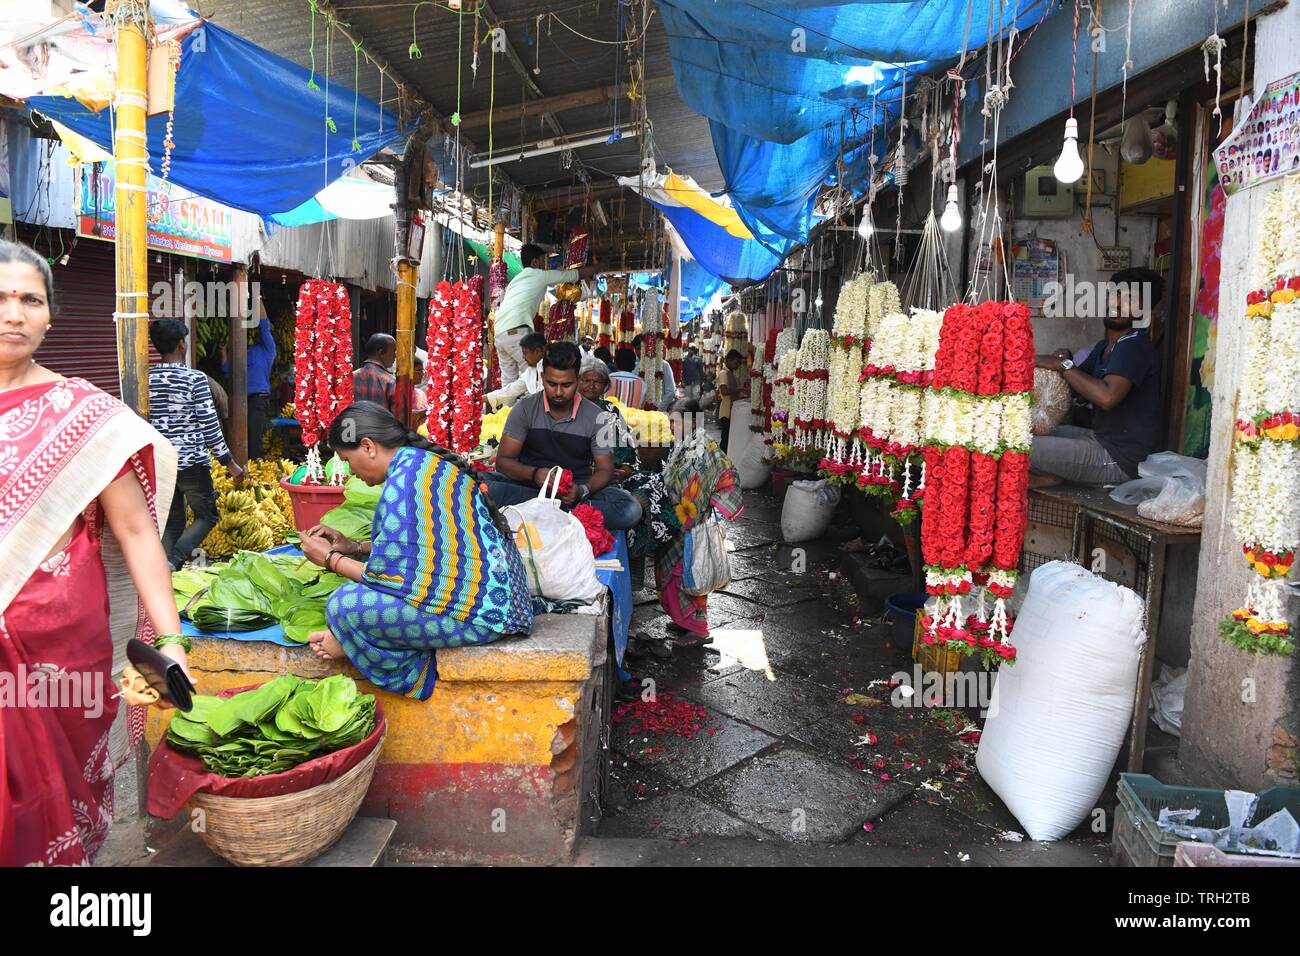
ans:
(778, 743)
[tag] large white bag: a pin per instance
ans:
(1059, 716)
(554, 546)
(753, 469)
(739, 436)
(808, 508)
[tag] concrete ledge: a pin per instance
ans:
(503, 763)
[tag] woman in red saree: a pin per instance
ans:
(82, 570)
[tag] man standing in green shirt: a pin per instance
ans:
(514, 318)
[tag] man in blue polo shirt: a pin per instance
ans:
(261, 356)
(557, 426)
(1120, 379)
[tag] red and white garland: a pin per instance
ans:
(455, 366)
(322, 361)
(605, 325)
(561, 322)
(810, 391)
(976, 474)
(652, 349)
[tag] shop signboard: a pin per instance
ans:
(179, 221)
(1266, 144)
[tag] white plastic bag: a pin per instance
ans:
(1171, 489)
(1167, 693)
(554, 546)
(1052, 399)
(1060, 714)
(739, 435)
(705, 565)
(753, 469)
(808, 508)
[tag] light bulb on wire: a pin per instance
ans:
(865, 228)
(951, 220)
(1069, 167)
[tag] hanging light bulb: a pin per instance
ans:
(951, 220)
(1069, 168)
(865, 228)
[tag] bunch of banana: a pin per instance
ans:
(209, 332)
(289, 410)
(273, 443)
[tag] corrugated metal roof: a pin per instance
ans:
(558, 61)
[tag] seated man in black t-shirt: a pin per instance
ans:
(1120, 378)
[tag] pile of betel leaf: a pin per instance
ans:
(253, 591)
(274, 727)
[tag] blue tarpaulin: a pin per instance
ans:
(788, 85)
(698, 287)
(249, 130)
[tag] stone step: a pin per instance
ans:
(364, 843)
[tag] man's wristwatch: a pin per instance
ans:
(584, 491)
(1067, 364)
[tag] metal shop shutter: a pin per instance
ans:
(83, 340)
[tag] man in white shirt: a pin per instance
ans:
(529, 381)
(514, 317)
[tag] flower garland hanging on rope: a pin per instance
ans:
(561, 321)
(1266, 453)
(455, 365)
(976, 474)
(322, 362)
(605, 325)
(850, 341)
(783, 405)
(652, 350)
(810, 393)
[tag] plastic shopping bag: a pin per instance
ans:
(554, 546)
(705, 565)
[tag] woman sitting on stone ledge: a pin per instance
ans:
(441, 569)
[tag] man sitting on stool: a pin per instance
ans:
(558, 427)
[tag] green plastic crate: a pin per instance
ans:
(1142, 797)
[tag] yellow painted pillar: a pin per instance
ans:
(130, 150)
(406, 276)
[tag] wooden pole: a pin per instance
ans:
(132, 160)
(407, 268)
(238, 356)
(499, 241)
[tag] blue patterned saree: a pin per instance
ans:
(440, 574)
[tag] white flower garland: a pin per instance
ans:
(652, 315)
(810, 395)
(851, 308)
(1017, 423)
(881, 301)
(843, 392)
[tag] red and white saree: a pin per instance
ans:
(65, 617)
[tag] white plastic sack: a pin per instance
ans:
(554, 547)
(1052, 400)
(753, 469)
(738, 438)
(1171, 489)
(1060, 714)
(808, 508)
(1167, 693)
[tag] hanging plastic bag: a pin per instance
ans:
(1171, 488)
(705, 565)
(1052, 399)
(1136, 146)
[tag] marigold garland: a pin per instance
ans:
(1266, 455)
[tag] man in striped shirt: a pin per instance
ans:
(180, 407)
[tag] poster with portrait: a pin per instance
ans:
(1267, 144)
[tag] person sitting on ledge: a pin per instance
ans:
(441, 571)
(1120, 378)
(558, 427)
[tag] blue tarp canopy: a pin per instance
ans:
(788, 86)
(249, 130)
(697, 289)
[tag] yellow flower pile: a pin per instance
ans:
(652, 428)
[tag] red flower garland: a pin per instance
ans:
(561, 321)
(455, 365)
(438, 368)
(322, 356)
(593, 523)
